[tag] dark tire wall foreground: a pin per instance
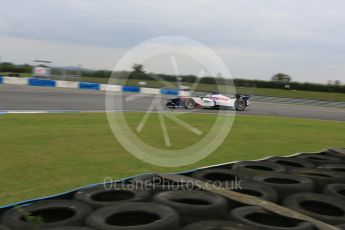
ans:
(53, 212)
(194, 206)
(217, 225)
(98, 196)
(134, 216)
(70, 228)
(286, 184)
(325, 208)
(312, 184)
(337, 190)
(3, 227)
(258, 218)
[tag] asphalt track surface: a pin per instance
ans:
(29, 98)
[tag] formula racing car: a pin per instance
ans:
(213, 101)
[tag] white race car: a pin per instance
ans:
(238, 102)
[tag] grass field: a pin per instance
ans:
(44, 154)
(327, 96)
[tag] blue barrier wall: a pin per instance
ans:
(41, 82)
(169, 91)
(89, 85)
(133, 89)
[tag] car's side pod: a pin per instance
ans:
(174, 103)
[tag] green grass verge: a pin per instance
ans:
(44, 154)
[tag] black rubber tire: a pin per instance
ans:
(98, 196)
(325, 208)
(217, 225)
(319, 159)
(254, 189)
(291, 163)
(189, 104)
(70, 228)
(134, 216)
(341, 226)
(320, 177)
(260, 219)
(286, 184)
(337, 190)
(334, 154)
(240, 104)
(259, 190)
(257, 167)
(54, 213)
(339, 168)
(221, 175)
(194, 206)
(156, 184)
(3, 227)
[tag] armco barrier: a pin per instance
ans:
(169, 91)
(88, 85)
(132, 89)
(41, 82)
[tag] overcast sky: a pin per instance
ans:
(256, 39)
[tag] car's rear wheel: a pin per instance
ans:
(240, 104)
(190, 104)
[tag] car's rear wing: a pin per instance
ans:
(244, 96)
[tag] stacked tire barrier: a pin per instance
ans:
(300, 192)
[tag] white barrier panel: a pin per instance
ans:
(184, 93)
(105, 87)
(150, 90)
(67, 84)
(15, 80)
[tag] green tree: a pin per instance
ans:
(138, 68)
(281, 77)
(337, 82)
(7, 67)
